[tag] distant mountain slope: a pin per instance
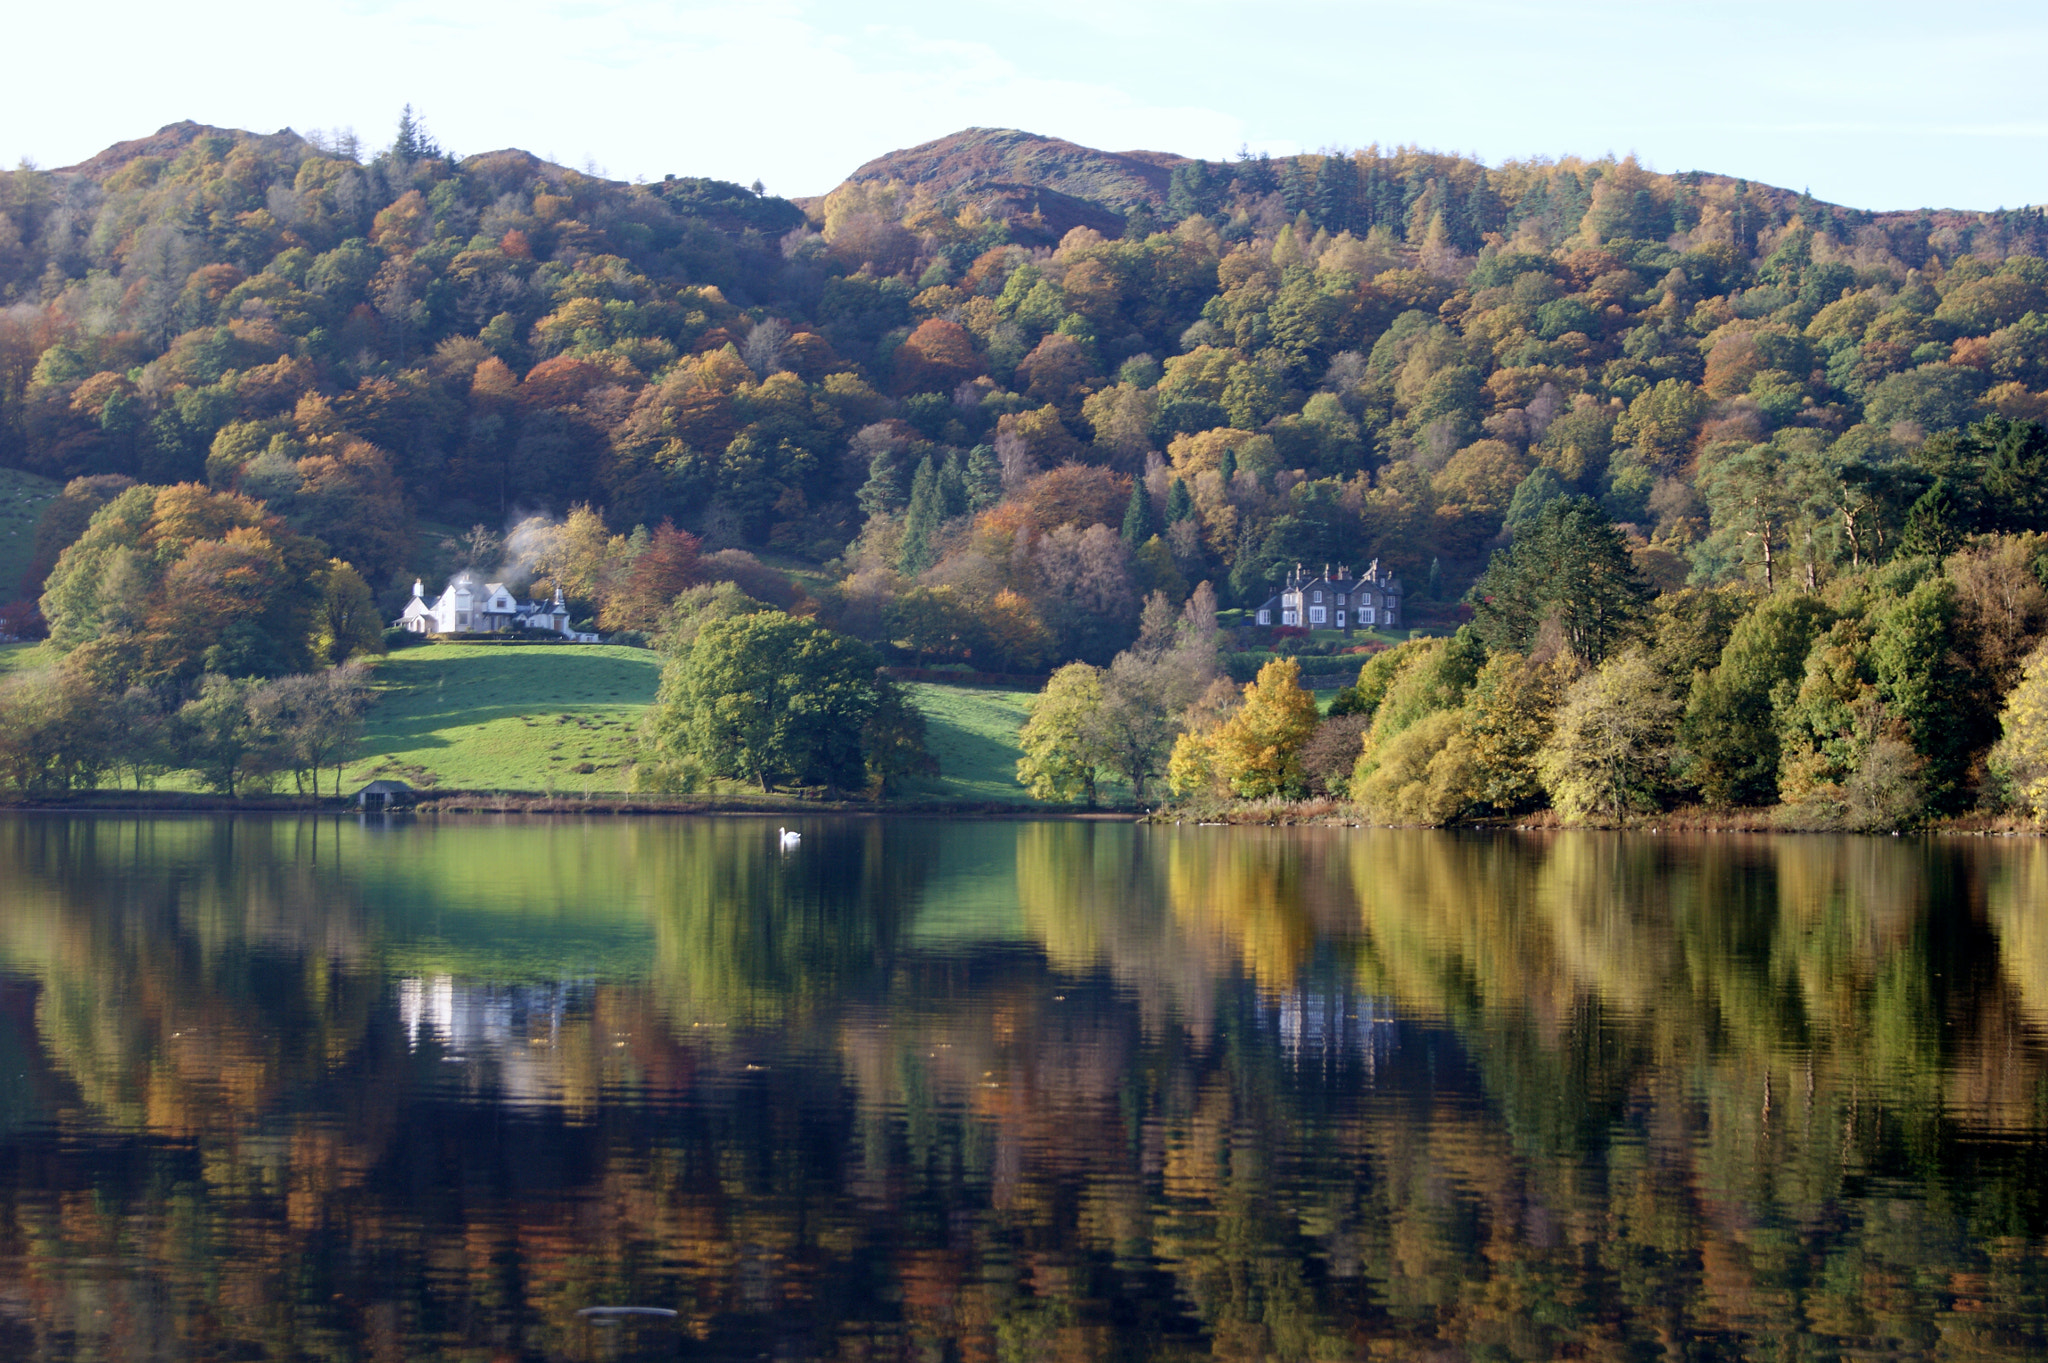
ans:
(980, 158)
(170, 140)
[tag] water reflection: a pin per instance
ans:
(995, 1091)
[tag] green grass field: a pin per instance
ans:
(487, 717)
(22, 499)
(566, 720)
(972, 731)
(23, 658)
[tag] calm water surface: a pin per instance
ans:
(989, 1091)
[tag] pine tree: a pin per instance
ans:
(952, 487)
(921, 522)
(983, 479)
(1336, 190)
(1180, 503)
(1138, 525)
(1297, 186)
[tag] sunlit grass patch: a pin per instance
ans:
(486, 717)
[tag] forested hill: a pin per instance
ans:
(1010, 367)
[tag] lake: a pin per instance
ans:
(979, 1091)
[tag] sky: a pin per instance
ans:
(1874, 105)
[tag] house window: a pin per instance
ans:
(1317, 615)
(462, 618)
(1290, 617)
(1318, 597)
(1265, 617)
(1340, 598)
(1365, 615)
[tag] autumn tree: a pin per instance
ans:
(1610, 750)
(1257, 751)
(659, 573)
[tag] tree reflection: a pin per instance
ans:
(1254, 1094)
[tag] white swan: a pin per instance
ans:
(789, 839)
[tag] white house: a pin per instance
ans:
(467, 607)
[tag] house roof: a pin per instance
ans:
(386, 788)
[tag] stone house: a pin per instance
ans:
(1336, 600)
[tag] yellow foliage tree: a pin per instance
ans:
(1257, 751)
(2021, 757)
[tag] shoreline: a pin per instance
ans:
(1309, 814)
(538, 803)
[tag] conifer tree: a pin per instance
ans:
(1138, 525)
(921, 521)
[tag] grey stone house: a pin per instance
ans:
(1336, 600)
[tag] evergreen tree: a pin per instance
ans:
(1336, 189)
(982, 480)
(1571, 566)
(1138, 525)
(1180, 503)
(882, 493)
(921, 521)
(1297, 186)
(952, 487)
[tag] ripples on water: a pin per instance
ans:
(920, 1090)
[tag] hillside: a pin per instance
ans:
(564, 721)
(936, 417)
(975, 159)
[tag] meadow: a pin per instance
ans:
(544, 718)
(563, 720)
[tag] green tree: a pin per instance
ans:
(768, 699)
(57, 732)
(1572, 567)
(1662, 422)
(1729, 736)
(893, 741)
(221, 740)
(922, 520)
(1061, 758)
(1138, 526)
(1923, 679)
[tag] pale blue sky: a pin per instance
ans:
(1875, 105)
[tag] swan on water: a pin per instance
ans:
(789, 839)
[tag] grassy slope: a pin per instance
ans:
(480, 717)
(972, 731)
(23, 658)
(22, 498)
